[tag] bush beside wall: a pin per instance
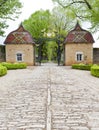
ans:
(11, 66)
(81, 66)
(3, 70)
(95, 70)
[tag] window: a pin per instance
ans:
(79, 56)
(19, 56)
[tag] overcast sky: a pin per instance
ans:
(30, 7)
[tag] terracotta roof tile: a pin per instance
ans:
(19, 36)
(79, 35)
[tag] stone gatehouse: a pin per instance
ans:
(78, 46)
(19, 46)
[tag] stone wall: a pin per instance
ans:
(72, 48)
(27, 51)
(2, 53)
(96, 55)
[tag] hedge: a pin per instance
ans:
(11, 66)
(3, 70)
(81, 66)
(95, 70)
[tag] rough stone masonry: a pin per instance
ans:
(49, 98)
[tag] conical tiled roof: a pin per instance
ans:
(19, 36)
(79, 35)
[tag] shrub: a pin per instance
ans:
(3, 70)
(11, 66)
(81, 66)
(95, 70)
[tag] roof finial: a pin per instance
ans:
(21, 24)
(21, 28)
(78, 27)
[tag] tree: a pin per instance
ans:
(9, 9)
(94, 16)
(62, 21)
(45, 25)
(68, 3)
(86, 10)
(51, 50)
(38, 24)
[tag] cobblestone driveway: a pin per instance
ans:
(49, 98)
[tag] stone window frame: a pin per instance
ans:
(20, 56)
(79, 56)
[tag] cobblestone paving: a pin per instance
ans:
(49, 98)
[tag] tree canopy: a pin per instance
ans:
(38, 23)
(62, 20)
(48, 24)
(86, 10)
(45, 25)
(9, 9)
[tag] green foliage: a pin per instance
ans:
(44, 25)
(4, 66)
(40, 26)
(43, 50)
(41, 23)
(52, 51)
(62, 20)
(84, 10)
(49, 51)
(8, 9)
(11, 66)
(95, 70)
(38, 23)
(94, 16)
(81, 66)
(3, 70)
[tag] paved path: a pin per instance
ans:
(49, 98)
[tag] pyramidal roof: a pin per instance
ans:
(19, 36)
(79, 35)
